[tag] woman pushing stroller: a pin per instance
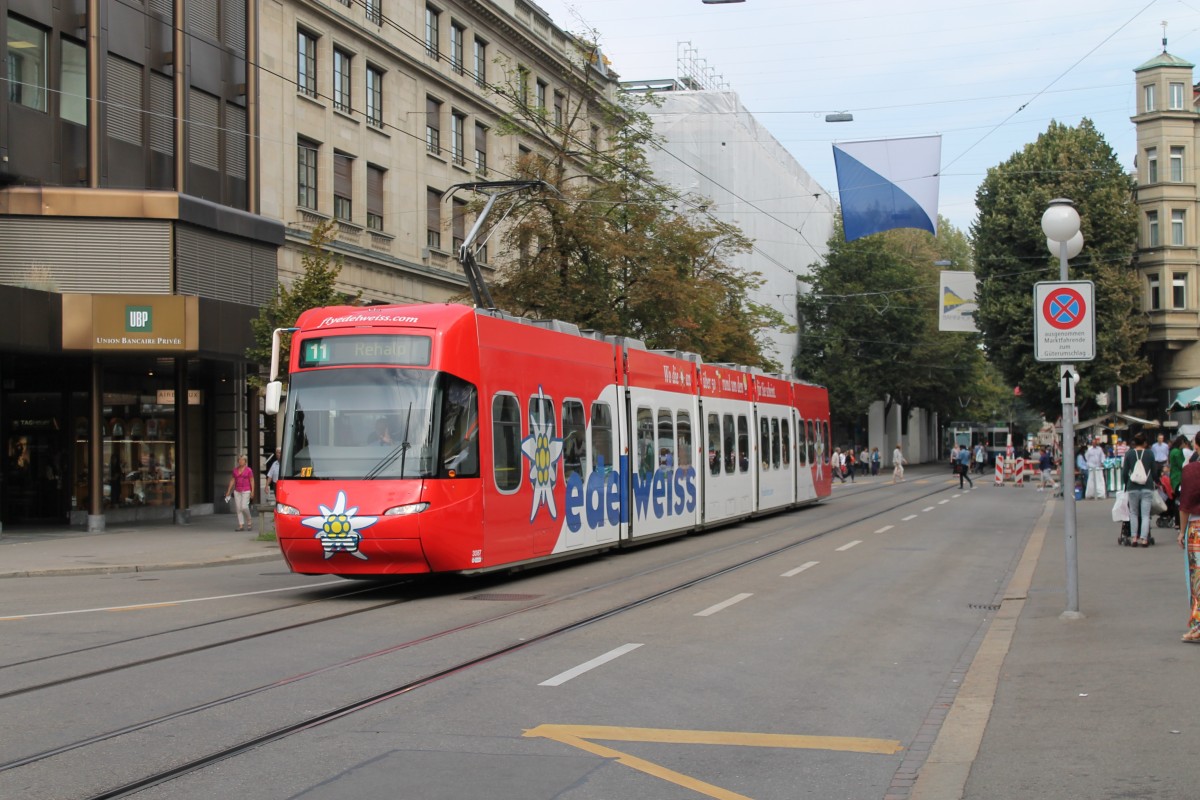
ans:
(1141, 476)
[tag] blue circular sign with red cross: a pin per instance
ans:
(1064, 308)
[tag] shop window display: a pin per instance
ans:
(138, 455)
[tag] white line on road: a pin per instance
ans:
(848, 545)
(169, 602)
(575, 672)
(926, 508)
(955, 495)
(943, 502)
(910, 516)
(885, 529)
(708, 612)
(793, 572)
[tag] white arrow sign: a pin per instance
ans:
(1069, 379)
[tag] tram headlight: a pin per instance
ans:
(405, 510)
(283, 508)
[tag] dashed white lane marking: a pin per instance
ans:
(708, 612)
(575, 672)
(954, 496)
(793, 572)
(885, 529)
(943, 502)
(163, 603)
(926, 508)
(848, 545)
(910, 516)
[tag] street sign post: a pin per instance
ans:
(1068, 379)
(1064, 321)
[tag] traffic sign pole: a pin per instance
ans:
(1068, 474)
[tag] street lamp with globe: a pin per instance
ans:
(1060, 223)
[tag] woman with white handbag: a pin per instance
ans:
(1139, 470)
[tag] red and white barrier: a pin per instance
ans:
(1019, 472)
(999, 470)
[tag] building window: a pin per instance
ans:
(306, 174)
(1177, 219)
(458, 222)
(27, 64)
(1176, 97)
(375, 197)
(540, 97)
(341, 80)
(1155, 292)
(433, 126)
(522, 86)
(457, 36)
(432, 32)
(458, 124)
(343, 186)
(1151, 165)
(481, 149)
(375, 11)
(1179, 290)
(72, 103)
(374, 97)
(558, 110)
(1148, 97)
(1152, 224)
(306, 63)
(1177, 164)
(594, 138)
(480, 62)
(433, 215)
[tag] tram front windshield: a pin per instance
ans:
(367, 423)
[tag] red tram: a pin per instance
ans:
(442, 438)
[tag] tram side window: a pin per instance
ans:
(574, 438)
(506, 442)
(541, 414)
(764, 442)
(824, 425)
(602, 437)
(647, 459)
(785, 437)
(459, 445)
(743, 443)
(683, 438)
(714, 444)
(666, 439)
(801, 444)
(775, 457)
(810, 444)
(730, 447)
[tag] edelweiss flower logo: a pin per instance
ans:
(338, 528)
(543, 452)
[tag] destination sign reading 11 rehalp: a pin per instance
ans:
(400, 349)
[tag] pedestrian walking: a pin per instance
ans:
(1189, 540)
(898, 462)
(864, 462)
(837, 464)
(273, 471)
(980, 458)
(848, 462)
(1046, 469)
(1140, 473)
(964, 467)
(875, 458)
(241, 489)
(1095, 470)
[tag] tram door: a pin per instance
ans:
(33, 458)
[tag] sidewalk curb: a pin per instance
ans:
(113, 569)
(945, 772)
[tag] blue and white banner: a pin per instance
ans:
(956, 302)
(888, 183)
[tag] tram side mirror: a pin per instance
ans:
(274, 393)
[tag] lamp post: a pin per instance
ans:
(1060, 223)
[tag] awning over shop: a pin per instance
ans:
(1188, 398)
(1119, 421)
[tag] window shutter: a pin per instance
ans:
(375, 191)
(343, 171)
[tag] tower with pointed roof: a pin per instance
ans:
(1168, 259)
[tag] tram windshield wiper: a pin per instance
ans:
(399, 451)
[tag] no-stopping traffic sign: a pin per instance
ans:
(1064, 321)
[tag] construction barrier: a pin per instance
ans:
(1019, 472)
(999, 471)
(1011, 469)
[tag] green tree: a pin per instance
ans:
(316, 287)
(611, 248)
(1011, 255)
(869, 325)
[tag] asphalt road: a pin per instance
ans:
(806, 655)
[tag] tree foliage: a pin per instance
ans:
(612, 249)
(1011, 255)
(316, 287)
(869, 327)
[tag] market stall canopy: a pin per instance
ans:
(1119, 421)
(1188, 398)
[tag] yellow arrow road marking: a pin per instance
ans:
(579, 736)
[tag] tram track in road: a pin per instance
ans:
(392, 693)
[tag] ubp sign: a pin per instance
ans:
(138, 319)
(1064, 321)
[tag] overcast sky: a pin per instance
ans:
(987, 75)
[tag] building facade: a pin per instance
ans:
(372, 110)
(133, 255)
(1168, 259)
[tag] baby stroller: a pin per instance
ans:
(1167, 519)
(1120, 514)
